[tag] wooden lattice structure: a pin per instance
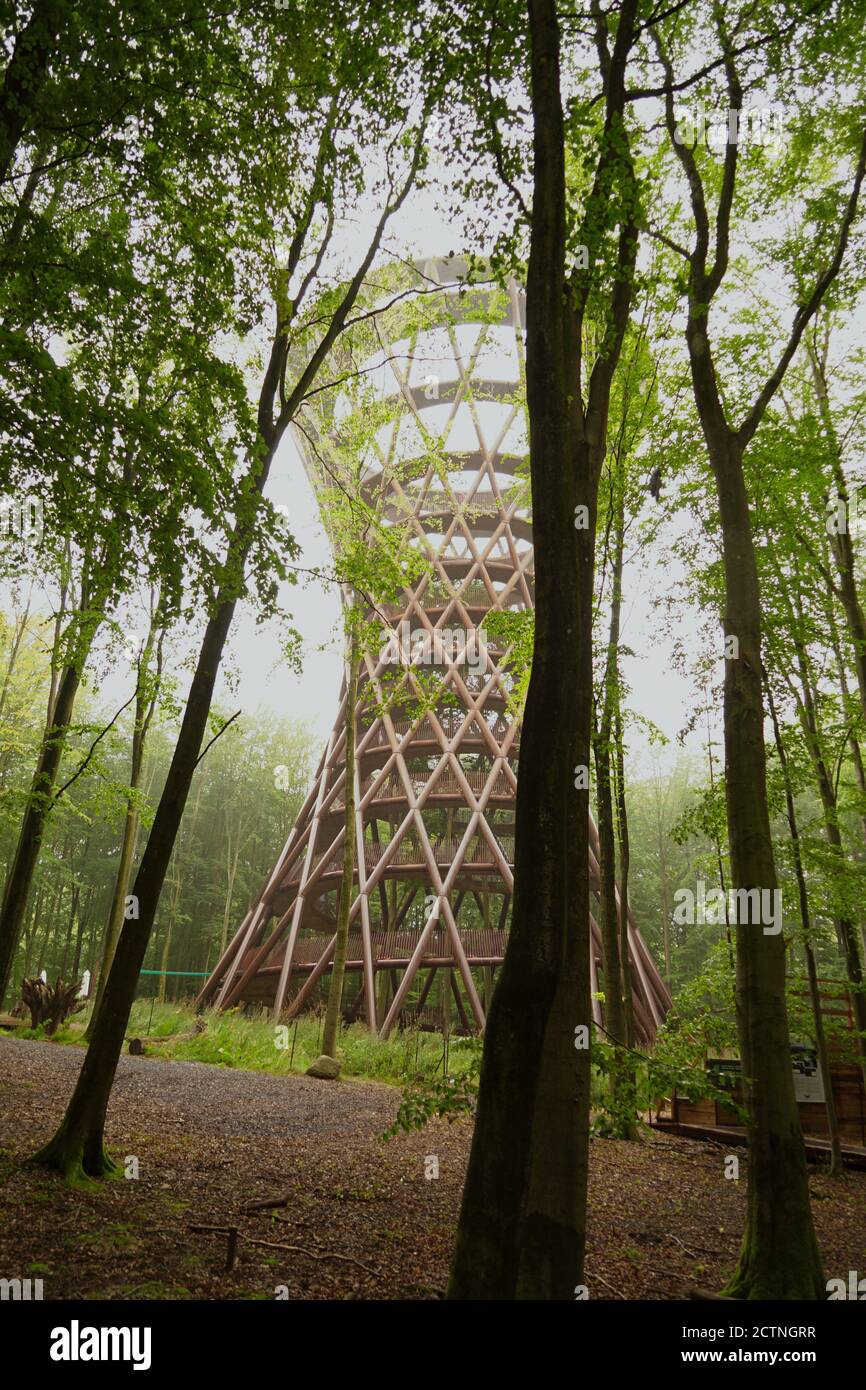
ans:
(435, 792)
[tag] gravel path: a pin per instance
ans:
(225, 1102)
(363, 1220)
(359, 1218)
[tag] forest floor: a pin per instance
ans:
(360, 1219)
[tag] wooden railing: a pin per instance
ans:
(409, 854)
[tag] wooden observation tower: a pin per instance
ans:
(434, 790)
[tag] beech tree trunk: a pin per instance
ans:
(806, 922)
(523, 1217)
(624, 870)
(492, 1236)
(20, 877)
(118, 899)
(779, 1257)
(25, 75)
(845, 928)
(78, 1147)
(613, 924)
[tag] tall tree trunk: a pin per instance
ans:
(491, 1236)
(610, 920)
(25, 75)
(145, 705)
(624, 871)
(806, 921)
(523, 1216)
(845, 928)
(20, 876)
(18, 633)
(841, 541)
(779, 1255)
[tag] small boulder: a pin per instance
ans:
(324, 1068)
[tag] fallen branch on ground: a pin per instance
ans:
(597, 1277)
(138, 1046)
(267, 1204)
(313, 1254)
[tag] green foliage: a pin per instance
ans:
(246, 793)
(516, 631)
(703, 1018)
(705, 817)
(248, 1042)
(446, 1097)
(673, 1066)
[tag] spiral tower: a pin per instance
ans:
(435, 779)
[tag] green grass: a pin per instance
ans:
(249, 1041)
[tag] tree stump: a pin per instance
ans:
(50, 1004)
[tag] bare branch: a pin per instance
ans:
(82, 765)
(219, 733)
(338, 320)
(810, 308)
(669, 242)
(698, 257)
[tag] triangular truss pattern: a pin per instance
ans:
(434, 791)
